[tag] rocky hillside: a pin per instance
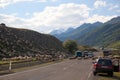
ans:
(15, 42)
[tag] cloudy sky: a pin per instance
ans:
(47, 15)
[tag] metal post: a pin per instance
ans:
(10, 64)
(118, 65)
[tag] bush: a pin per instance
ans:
(70, 45)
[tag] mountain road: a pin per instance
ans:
(67, 70)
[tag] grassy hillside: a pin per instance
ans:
(115, 45)
(105, 35)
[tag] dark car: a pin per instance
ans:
(103, 66)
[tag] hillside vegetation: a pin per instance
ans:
(105, 35)
(15, 42)
(115, 45)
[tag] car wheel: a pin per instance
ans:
(110, 74)
(94, 73)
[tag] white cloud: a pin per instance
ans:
(53, 0)
(99, 18)
(99, 3)
(4, 3)
(13, 21)
(41, 0)
(51, 18)
(65, 15)
(113, 7)
(27, 14)
(62, 16)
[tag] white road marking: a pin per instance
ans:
(89, 75)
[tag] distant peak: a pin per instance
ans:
(114, 20)
(97, 23)
(69, 29)
(86, 23)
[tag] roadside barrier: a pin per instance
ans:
(20, 65)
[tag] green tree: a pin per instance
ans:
(70, 45)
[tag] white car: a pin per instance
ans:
(90, 54)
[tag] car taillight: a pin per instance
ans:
(110, 67)
(97, 65)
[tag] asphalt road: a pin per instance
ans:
(66, 70)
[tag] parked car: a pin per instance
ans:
(103, 66)
(90, 54)
(106, 53)
(85, 53)
(78, 53)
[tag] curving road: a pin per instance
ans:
(66, 70)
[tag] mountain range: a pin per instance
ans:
(73, 34)
(96, 34)
(16, 42)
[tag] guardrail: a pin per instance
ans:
(20, 65)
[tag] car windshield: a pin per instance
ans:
(105, 62)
